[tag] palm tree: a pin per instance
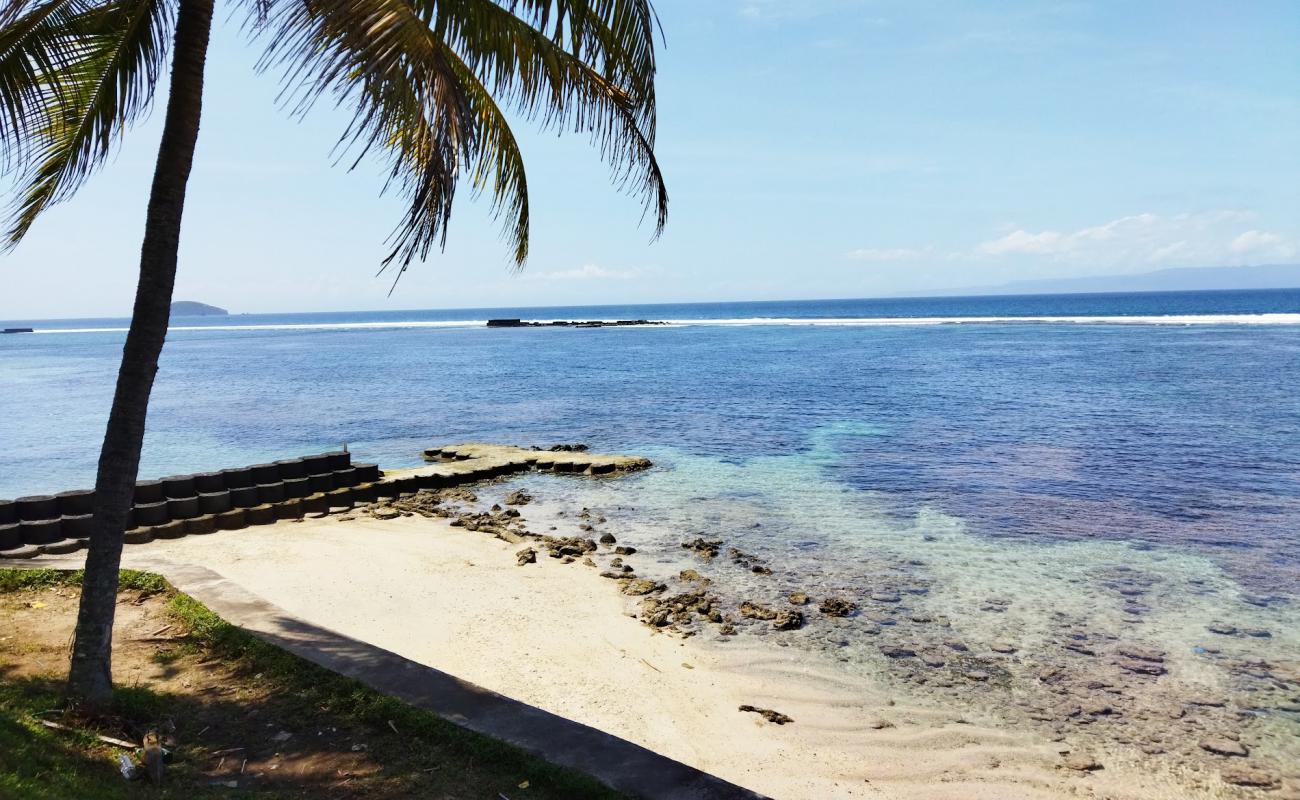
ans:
(425, 81)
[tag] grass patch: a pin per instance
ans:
(18, 580)
(259, 684)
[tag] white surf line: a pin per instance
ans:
(1171, 319)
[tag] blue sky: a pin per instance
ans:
(813, 148)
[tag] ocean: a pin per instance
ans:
(1033, 468)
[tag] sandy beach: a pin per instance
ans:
(560, 637)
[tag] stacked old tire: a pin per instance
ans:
(187, 505)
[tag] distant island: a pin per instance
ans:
(189, 308)
(1176, 279)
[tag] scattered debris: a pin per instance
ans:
(775, 717)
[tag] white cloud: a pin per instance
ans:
(888, 254)
(1262, 242)
(587, 272)
(1210, 237)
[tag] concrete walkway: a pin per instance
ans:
(620, 764)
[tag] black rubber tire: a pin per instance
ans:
(232, 520)
(297, 487)
(292, 468)
(37, 507)
(8, 512)
(178, 486)
(339, 498)
(387, 490)
(170, 530)
(183, 507)
(24, 551)
(244, 497)
(149, 492)
(316, 503)
(208, 482)
(345, 478)
(364, 493)
(201, 525)
(339, 459)
(10, 536)
(369, 472)
(78, 526)
(138, 536)
(321, 482)
(315, 465)
(151, 513)
(265, 473)
(41, 531)
(263, 514)
(63, 547)
(270, 492)
(289, 509)
(238, 478)
(74, 504)
(214, 502)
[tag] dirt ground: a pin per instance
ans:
(227, 727)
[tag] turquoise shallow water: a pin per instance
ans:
(1104, 472)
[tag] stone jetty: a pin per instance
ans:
(316, 485)
(559, 323)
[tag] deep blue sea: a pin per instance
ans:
(1124, 467)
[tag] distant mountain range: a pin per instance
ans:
(189, 308)
(1178, 279)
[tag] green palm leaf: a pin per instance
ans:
(427, 81)
(102, 86)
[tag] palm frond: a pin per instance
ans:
(427, 80)
(498, 162)
(103, 86)
(37, 41)
(379, 57)
(592, 73)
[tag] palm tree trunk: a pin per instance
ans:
(90, 677)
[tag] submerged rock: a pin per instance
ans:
(750, 610)
(788, 620)
(518, 498)
(1140, 667)
(799, 599)
(704, 548)
(1081, 762)
(894, 651)
(837, 607)
(1224, 747)
(1239, 776)
(640, 586)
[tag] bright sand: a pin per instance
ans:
(564, 639)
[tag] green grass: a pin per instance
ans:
(17, 580)
(429, 758)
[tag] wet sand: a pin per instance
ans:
(563, 638)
